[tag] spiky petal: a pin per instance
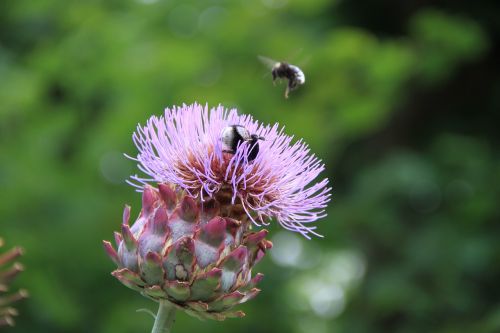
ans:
(184, 148)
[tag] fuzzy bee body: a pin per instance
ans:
(282, 70)
(235, 135)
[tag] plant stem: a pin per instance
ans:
(164, 318)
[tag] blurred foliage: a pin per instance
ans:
(401, 102)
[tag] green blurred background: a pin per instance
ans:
(401, 102)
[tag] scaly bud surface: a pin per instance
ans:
(196, 254)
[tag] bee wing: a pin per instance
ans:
(267, 61)
(243, 132)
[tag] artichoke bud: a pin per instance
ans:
(197, 254)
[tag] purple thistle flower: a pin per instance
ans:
(184, 148)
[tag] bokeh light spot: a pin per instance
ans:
(211, 18)
(182, 21)
(114, 167)
(287, 249)
(211, 75)
(323, 291)
(274, 3)
(147, 2)
(425, 197)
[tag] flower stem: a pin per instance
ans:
(164, 318)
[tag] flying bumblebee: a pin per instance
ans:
(284, 70)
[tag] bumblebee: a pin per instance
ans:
(234, 135)
(284, 70)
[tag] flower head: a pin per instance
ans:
(184, 147)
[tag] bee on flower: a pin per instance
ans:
(210, 175)
(185, 147)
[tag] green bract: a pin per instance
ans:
(196, 254)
